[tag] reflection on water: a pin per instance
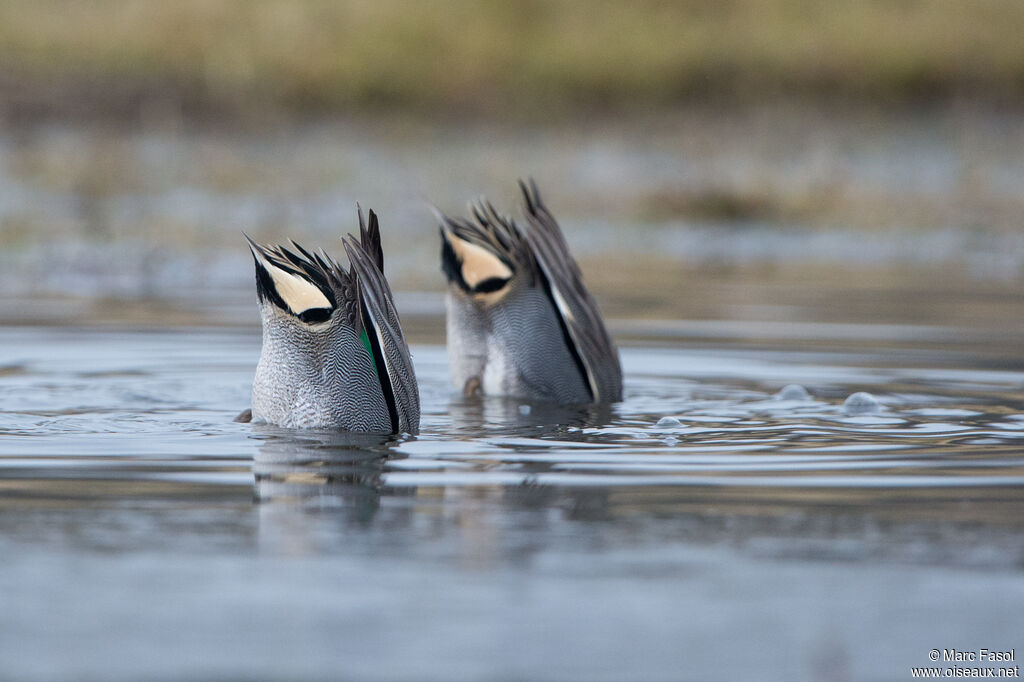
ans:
(342, 469)
(800, 471)
(735, 495)
(471, 416)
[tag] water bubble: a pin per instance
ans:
(668, 422)
(793, 392)
(862, 403)
(524, 410)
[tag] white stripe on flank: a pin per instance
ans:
(384, 355)
(570, 319)
(562, 305)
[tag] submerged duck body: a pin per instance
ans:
(333, 353)
(520, 321)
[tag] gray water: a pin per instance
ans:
(714, 525)
(707, 527)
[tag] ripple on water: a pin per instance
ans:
(500, 514)
(685, 422)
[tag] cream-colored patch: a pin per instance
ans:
(298, 294)
(490, 298)
(478, 264)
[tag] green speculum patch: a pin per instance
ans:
(369, 351)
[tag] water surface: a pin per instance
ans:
(706, 526)
(734, 516)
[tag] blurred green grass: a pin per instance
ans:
(518, 57)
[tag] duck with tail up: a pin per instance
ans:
(520, 321)
(334, 355)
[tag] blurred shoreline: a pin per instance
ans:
(774, 214)
(237, 62)
(747, 160)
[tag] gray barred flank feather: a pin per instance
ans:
(317, 380)
(345, 365)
